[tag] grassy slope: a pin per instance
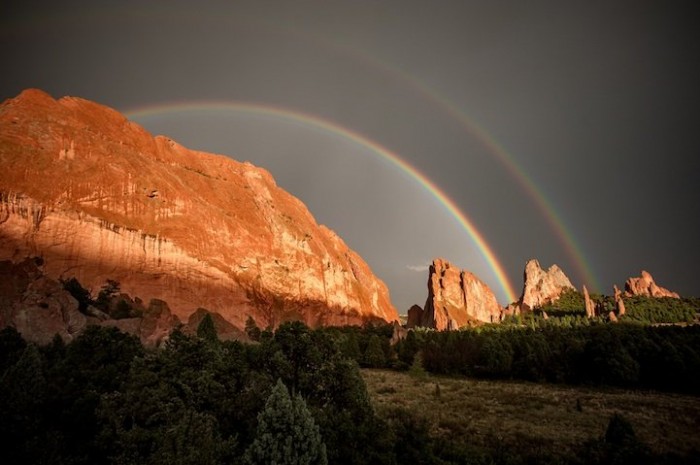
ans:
(537, 415)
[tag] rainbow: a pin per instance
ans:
(555, 221)
(514, 169)
(335, 129)
(517, 172)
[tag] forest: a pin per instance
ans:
(297, 395)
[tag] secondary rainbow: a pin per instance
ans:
(334, 128)
(508, 161)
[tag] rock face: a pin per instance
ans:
(619, 302)
(99, 198)
(590, 306)
(542, 287)
(414, 317)
(645, 285)
(38, 307)
(457, 298)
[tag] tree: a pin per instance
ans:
(206, 329)
(416, 370)
(252, 330)
(374, 354)
(286, 433)
(23, 388)
(80, 294)
(109, 290)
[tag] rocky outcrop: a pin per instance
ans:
(39, 308)
(645, 285)
(36, 306)
(590, 306)
(399, 334)
(100, 198)
(619, 301)
(457, 298)
(414, 317)
(541, 287)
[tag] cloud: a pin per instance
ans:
(419, 268)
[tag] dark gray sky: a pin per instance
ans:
(595, 104)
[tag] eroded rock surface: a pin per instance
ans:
(542, 287)
(100, 198)
(457, 298)
(646, 286)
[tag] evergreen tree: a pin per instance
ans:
(286, 433)
(23, 388)
(374, 354)
(416, 370)
(109, 290)
(80, 294)
(252, 329)
(206, 329)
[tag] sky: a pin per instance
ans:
(485, 133)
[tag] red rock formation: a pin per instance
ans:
(414, 317)
(39, 307)
(100, 198)
(542, 287)
(619, 302)
(645, 285)
(36, 306)
(399, 334)
(457, 298)
(590, 306)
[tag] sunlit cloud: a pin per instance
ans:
(419, 268)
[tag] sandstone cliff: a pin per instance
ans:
(457, 298)
(645, 285)
(99, 198)
(541, 287)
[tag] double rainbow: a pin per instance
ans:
(337, 130)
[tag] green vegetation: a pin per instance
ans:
(108, 299)
(286, 433)
(661, 309)
(626, 355)
(105, 399)
(570, 303)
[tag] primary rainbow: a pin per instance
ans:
(507, 160)
(334, 128)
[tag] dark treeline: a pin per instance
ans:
(625, 355)
(105, 399)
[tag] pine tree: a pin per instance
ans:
(252, 330)
(374, 354)
(206, 329)
(287, 433)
